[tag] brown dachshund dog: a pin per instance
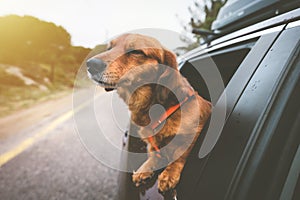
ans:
(124, 53)
(145, 74)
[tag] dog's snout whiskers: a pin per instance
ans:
(95, 66)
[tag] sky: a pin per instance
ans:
(92, 22)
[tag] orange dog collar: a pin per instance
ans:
(164, 117)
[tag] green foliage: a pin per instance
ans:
(27, 38)
(8, 79)
(80, 52)
(210, 14)
(207, 8)
(42, 52)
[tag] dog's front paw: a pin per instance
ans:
(167, 180)
(141, 178)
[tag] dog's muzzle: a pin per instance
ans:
(95, 68)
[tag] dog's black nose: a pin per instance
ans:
(95, 66)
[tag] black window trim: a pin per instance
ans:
(236, 185)
(204, 50)
(246, 70)
(232, 93)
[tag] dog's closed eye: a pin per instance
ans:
(135, 52)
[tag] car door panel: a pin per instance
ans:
(247, 112)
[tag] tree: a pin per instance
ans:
(203, 13)
(210, 8)
(23, 38)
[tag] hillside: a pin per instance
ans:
(37, 61)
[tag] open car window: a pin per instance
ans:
(236, 62)
(251, 93)
(227, 60)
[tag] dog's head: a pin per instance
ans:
(146, 85)
(124, 53)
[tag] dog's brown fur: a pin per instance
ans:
(186, 121)
(132, 58)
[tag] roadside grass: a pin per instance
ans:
(16, 94)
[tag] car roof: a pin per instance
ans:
(269, 23)
(236, 14)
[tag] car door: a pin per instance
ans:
(274, 139)
(234, 164)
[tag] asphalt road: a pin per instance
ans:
(43, 157)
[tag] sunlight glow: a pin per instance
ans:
(91, 22)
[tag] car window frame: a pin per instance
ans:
(231, 94)
(243, 178)
(243, 74)
(206, 184)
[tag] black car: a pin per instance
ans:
(256, 153)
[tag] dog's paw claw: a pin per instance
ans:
(141, 178)
(167, 181)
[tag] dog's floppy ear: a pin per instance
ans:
(171, 86)
(169, 59)
(163, 56)
(155, 53)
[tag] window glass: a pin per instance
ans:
(227, 61)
